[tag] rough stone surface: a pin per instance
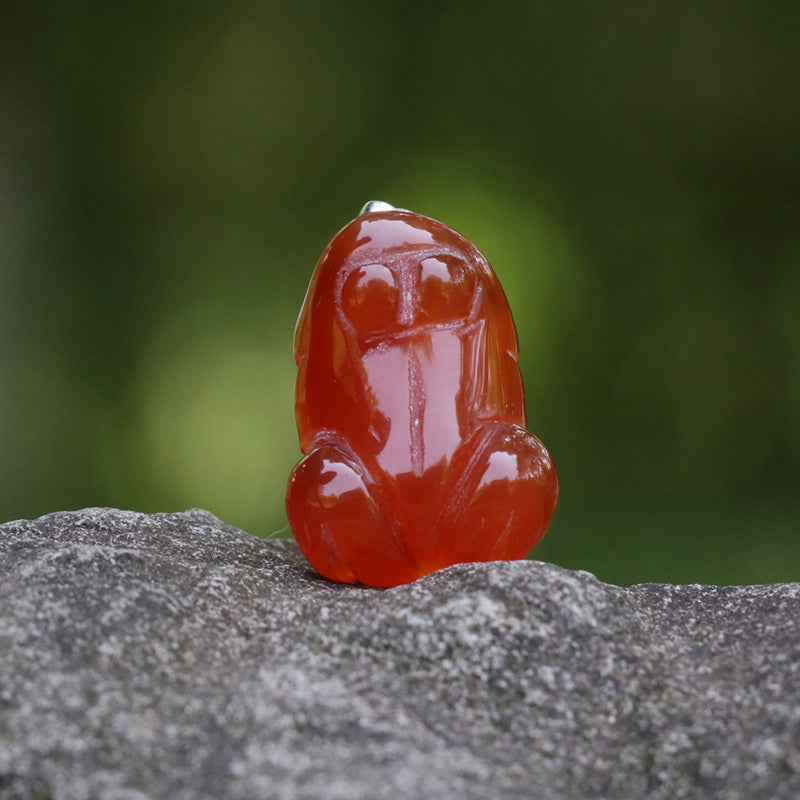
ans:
(171, 656)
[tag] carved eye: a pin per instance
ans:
(447, 285)
(369, 297)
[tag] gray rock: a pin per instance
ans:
(171, 656)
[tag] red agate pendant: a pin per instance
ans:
(410, 409)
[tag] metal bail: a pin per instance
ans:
(377, 205)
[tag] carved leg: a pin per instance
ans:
(503, 495)
(340, 526)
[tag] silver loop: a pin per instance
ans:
(373, 206)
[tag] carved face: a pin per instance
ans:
(406, 294)
(387, 280)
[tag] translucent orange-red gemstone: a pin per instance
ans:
(410, 409)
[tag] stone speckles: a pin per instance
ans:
(169, 655)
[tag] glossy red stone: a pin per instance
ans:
(410, 409)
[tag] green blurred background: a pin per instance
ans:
(170, 173)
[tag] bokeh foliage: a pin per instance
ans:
(169, 174)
